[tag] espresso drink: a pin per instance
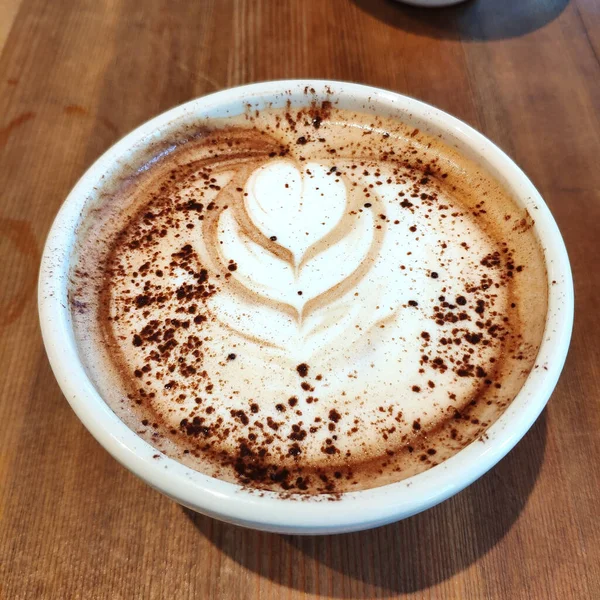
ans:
(309, 300)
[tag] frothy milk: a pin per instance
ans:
(308, 300)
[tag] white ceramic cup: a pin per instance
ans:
(268, 511)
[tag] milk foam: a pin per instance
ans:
(377, 278)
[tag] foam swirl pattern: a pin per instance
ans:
(310, 302)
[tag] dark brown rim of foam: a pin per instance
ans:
(253, 147)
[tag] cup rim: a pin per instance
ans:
(269, 510)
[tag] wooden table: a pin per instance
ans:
(75, 75)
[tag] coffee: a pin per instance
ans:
(307, 300)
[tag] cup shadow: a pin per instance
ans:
(474, 20)
(403, 557)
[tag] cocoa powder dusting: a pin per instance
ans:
(177, 391)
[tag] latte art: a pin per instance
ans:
(296, 247)
(315, 301)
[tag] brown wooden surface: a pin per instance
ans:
(75, 75)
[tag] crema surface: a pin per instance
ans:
(308, 300)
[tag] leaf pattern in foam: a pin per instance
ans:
(310, 218)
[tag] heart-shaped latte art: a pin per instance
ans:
(296, 206)
(308, 241)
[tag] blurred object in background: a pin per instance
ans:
(431, 3)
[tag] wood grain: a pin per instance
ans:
(8, 12)
(75, 75)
